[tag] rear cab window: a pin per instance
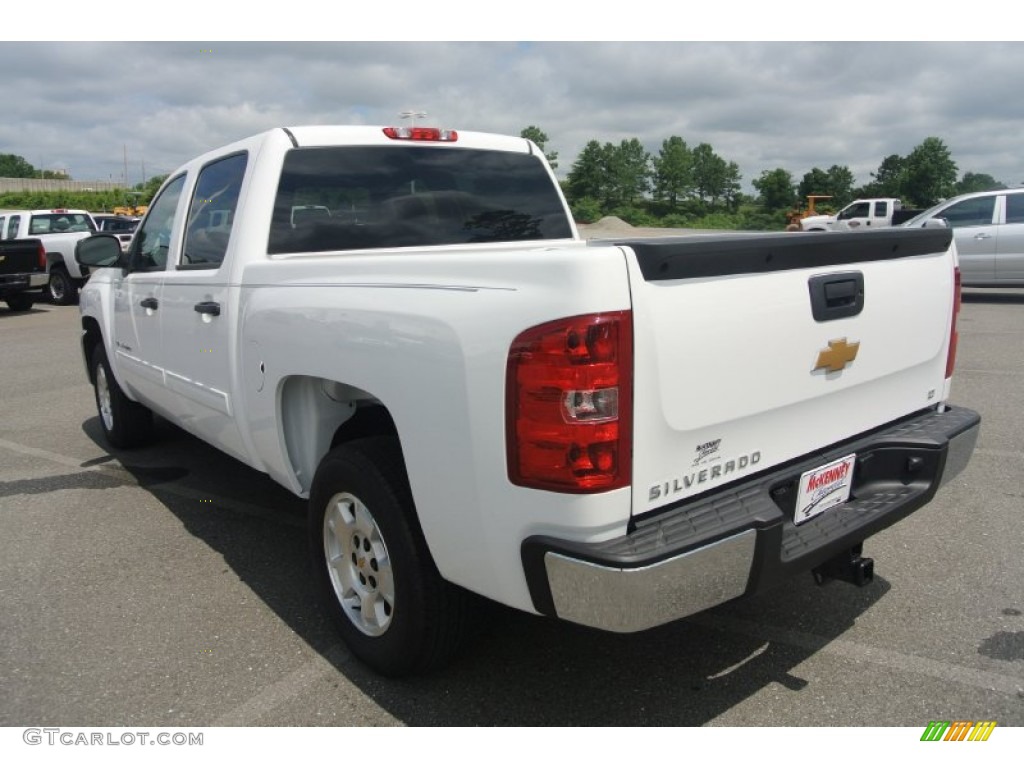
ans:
(353, 198)
(59, 222)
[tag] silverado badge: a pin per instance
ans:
(838, 354)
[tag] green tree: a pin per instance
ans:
(16, 167)
(710, 174)
(147, 190)
(589, 174)
(977, 182)
(538, 137)
(840, 184)
(814, 182)
(836, 182)
(889, 179)
(731, 194)
(630, 171)
(930, 174)
(776, 189)
(673, 171)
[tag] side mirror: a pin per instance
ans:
(99, 251)
(936, 223)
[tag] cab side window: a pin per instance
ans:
(857, 211)
(12, 227)
(212, 212)
(152, 241)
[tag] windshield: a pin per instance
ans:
(347, 198)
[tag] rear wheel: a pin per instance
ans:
(125, 423)
(376, 576)
(19, 302)
(62, 288)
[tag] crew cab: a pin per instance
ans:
(59, 230)
(403, 326)
(873, 212)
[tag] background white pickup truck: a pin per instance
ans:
(875, 213)
(403, 326)
(59, 230)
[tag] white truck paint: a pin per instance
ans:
(474, 399)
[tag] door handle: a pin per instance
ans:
(149, 303)
(836, 296)
(208, 308)
(983, 236)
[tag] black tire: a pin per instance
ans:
(384, 593)
(63, 290)
(125, 423)
(19, 302)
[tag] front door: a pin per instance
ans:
(137, 299)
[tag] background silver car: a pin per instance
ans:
(989, 231)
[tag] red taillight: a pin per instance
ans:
(421, 134)
(41, 253)
(569, 404)
(953, 335)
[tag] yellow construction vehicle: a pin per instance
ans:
(130, 210)
(794, 216)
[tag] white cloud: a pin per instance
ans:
(793, 105)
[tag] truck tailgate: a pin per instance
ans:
(751, 351)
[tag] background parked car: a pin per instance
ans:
(122, 227)
(989, 231)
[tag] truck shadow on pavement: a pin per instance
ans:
(520, 670)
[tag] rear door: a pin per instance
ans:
(976, 232)
(1010, 249)
(750, 352)
(196, 307)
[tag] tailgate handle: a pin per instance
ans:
(837, 295)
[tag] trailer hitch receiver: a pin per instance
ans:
(848, 566)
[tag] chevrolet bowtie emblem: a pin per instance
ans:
(838, 354)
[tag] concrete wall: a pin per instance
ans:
(57, 185)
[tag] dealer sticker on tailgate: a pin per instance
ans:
(823, 488)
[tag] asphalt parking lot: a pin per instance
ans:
(169, 587)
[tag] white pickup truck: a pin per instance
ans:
(59, 230)
(875, 213)
(403, 326)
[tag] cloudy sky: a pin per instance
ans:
(81, 106)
